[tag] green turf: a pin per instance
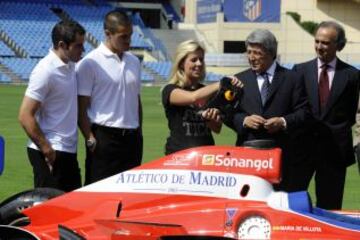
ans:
(18, 173)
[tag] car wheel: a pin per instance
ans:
(11, 209)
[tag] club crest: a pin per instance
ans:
(252, 9)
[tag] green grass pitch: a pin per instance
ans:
(17, 175)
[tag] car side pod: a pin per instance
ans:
(2, 154)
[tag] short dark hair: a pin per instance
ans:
(66, 31)
(340, 38)
(116, 18)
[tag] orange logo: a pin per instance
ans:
(208, 159)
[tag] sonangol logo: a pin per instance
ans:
(208, 159)
(221, 160)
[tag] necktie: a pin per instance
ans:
(264, 92)
(324, 89)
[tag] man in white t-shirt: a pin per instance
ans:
(109, 102)
(48, 112)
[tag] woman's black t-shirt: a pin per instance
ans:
(187, 128)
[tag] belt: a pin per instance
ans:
(114, 130)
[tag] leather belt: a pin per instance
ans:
(114, 130)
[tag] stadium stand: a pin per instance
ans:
(171, 39)
(29, 25)
(25, 30)
(163, 69)
(91, 17)
(147, 77)
(170, 12)
(156, 43)
(21, 66)
(5, 51)
(160, 68)
(4, 78)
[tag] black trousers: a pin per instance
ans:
(116, 150)
(322, 162)
(65, 175)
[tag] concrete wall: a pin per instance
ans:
(295, 44)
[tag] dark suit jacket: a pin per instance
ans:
(332, 127)
(286, 99)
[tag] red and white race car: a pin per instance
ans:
(200, 193)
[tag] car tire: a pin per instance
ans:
(11, 209)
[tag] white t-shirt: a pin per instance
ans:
(53, 83)
(113, 84)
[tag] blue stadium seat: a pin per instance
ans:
(29, 25)
(4, 78)
(163, 69)
(5, 51)
(145, 77)
(91, 18)
(21, 66)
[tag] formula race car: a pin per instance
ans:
(201, 193)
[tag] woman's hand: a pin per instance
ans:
(214, 119)
(236, 82)
(211, 114)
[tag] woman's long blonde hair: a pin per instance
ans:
(177, 75)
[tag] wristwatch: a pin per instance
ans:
(90, 143)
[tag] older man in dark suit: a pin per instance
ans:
(273, 102)
(332, 87)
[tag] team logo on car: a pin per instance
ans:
(208, 159)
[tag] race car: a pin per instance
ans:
(212, 192)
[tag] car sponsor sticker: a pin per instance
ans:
(181, 159)
(291, 228)
(221, 160)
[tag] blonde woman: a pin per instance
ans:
(183, 97)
